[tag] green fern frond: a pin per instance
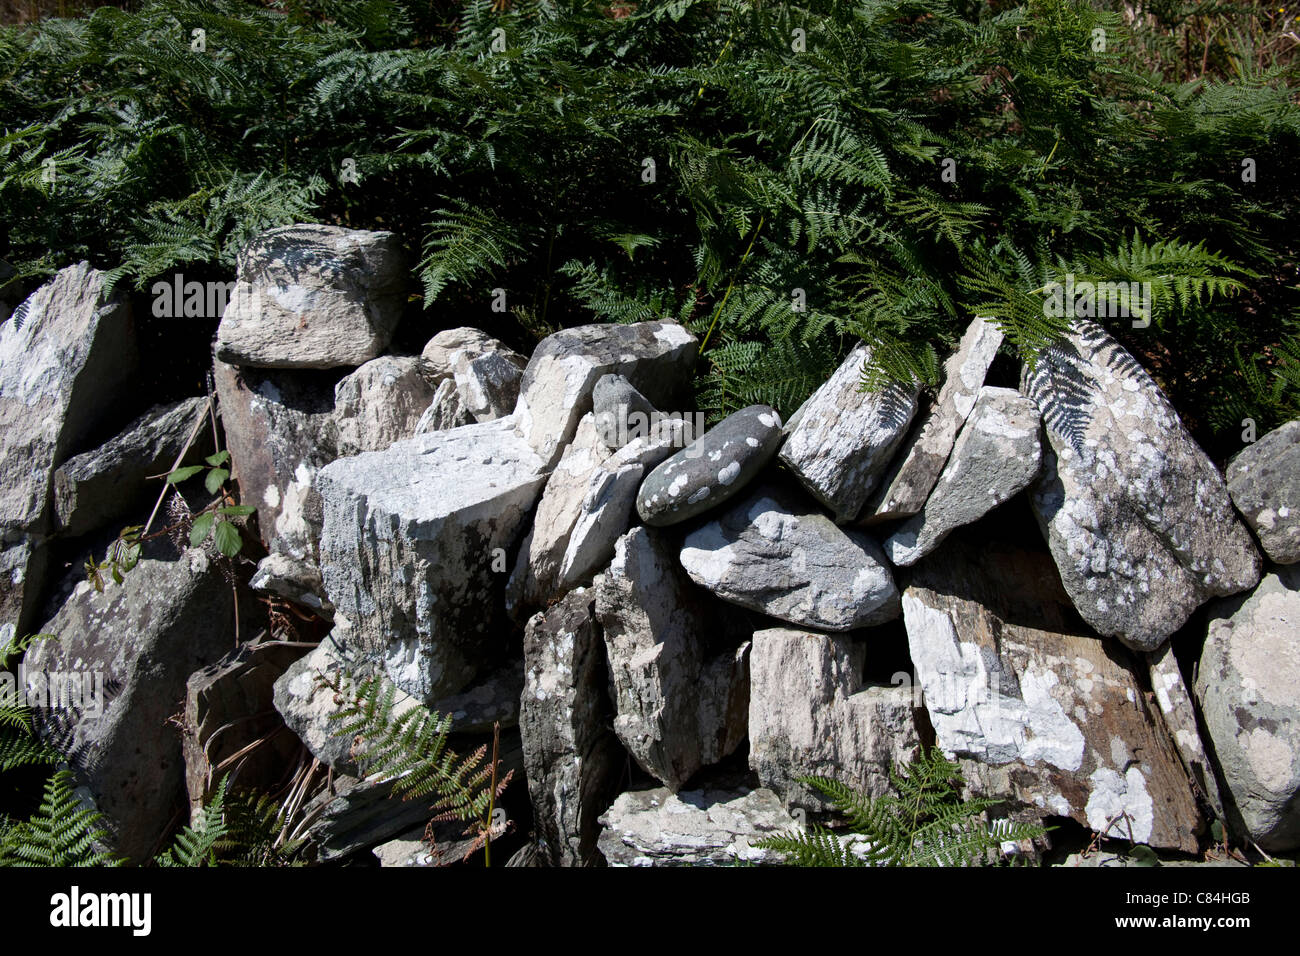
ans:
(60, 833)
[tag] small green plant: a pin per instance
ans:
(214, 519)
(926, 824)
(234, 829)
(19, 745)
(60, 833)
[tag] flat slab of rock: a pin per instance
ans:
(572, 758)
(413, 548)
(692, 828)
(486, 373)
(771, 556)
(97, 486)
(810, 715)
(995, 457)
(656, 357)
(135, 645)
(380, 403)
(1176, 705)
(842, 440)
(908, 483)
(712, 469)
(1264, 481)
(1136, 516)
(1048, 718)
(313, 296)
(679, 668)
(1248, 684)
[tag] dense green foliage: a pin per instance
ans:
(926, 824)
(512, 147)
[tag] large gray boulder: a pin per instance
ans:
(414, 545)
(908, 483)
(770, 555)
(1264, 481)
(656, 357)
(995, 457)
(136, 643)
(313, 296)
(572, 758)
(842, 440)
(679, 666)
(1248, 684)
(486, 373)
(97, 486)
(380, 403)
(280, 431)
(1136, 516)
(810, 715)
(1046, 717)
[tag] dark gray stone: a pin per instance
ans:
(1264, 481)
(614, 400)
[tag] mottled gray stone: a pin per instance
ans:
(696, 828)
(712, 469)
(845, 439)
(298, 581)
(571, 756)
(1136, 516)
(771, 555)
(810, 715)
(486, 373)
(1264, 481)
(445, 410)
(656, 357)
(380, 403)
(614, 400)
(1248, 684)
(908, 483)
(97, 486)
(313, 296)
(1044, 716)
(995, 457)
(679, 669)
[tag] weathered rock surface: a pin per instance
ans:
(712, 469)
(1176, 705)
(380, 403)
(135, 644)
(693, 828)
(1264, 481)
(414, 541)
(97, 486)
(571, 756)
(770, 555)
(995, 457)
(445, 410)
(656, 357)
(1049, 718)
(809, 715)
(1248, 684)
(280, 431)
(23, 563)
(1136, 516)
(844, 439)
(294, 580)
(908, 483)
(486, 373)
(313, 296)
(615, 401)
(679, 667)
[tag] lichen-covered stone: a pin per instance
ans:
(1264, 481)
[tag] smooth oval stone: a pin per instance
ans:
(712, 468)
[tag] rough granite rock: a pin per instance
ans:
(712, 469)
(692, 828)
(616, 402)
(845, 439)
(486, 373)
(995, 457)
(679, 667)
(98, 486)
(414, 545)
(809, 715)
(131, 650)
(572, 758)
(313, 296)
(1248, 684)
(380, 403)
(445, 410)
(1176, 705)
(656, 357)
(1264, 481)
(770, 555)
(906, 486)
(1136, 516)
(1048, 718)
(297, 581)
(280, 431)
